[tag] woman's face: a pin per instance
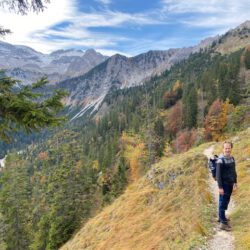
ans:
(227, 149)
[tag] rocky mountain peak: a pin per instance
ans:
(90, 52)
(28, 65)
(246, 24)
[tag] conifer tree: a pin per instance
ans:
(190, 107)
(22, 7)
(26, 109)
(14, 205)
(228, 79)
(223, 81)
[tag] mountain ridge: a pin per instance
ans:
(57, 66)
(119, 72)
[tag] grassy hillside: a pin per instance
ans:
(170, 207)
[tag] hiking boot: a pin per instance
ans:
(227, 220)
(225, 226)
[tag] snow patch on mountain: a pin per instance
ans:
(94, 105)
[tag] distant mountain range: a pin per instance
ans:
(28, 65)
(89, 76)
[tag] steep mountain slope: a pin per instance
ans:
(28, 65)
(119, 72)
(170, 207)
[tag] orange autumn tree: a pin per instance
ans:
(184, 140)
(216, 119)
(174, 119)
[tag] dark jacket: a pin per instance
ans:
(225, 171)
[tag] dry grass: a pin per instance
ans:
(169, 208)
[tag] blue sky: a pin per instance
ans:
(128, 27)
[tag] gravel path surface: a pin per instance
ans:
(222, 240)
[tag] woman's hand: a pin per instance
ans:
(221, 191)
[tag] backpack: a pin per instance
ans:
(212, 162)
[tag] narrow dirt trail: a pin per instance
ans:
(222, 240)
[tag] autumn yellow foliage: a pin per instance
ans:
(133, 152)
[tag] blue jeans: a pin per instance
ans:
(224, 201)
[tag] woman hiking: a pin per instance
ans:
(226, 177)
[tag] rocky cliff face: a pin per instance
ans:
(28, 65)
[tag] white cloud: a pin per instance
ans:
(48, 45)
(25, 27)
(143, 45)
(38, 32)
(209, 14)
(109, 18)
(105, 2)
(182, 6)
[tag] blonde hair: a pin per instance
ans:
(228, 142)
